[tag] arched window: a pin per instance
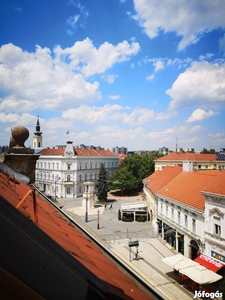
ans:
(68, 178)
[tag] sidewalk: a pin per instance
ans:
(115, 236)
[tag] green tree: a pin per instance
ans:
(101, 184)
(132, 171)
(205, 151)
(123, 179)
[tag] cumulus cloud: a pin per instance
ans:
(200, 114)
(200, 85)
(57, 79)
(188, 19)
(140, 116)
(85, 58)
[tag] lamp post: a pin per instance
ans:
(86, 213)
(98, 218)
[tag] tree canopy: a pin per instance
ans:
(133, 169)
(205, 151)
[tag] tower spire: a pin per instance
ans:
(37, 139)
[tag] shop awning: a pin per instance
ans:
(209, 262)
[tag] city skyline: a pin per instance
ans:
(139, 74)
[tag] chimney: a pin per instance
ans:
(19, 158)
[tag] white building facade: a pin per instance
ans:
(215, 219)
(181, 226)
(61, 172)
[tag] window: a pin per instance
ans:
(57, 166)
(217, 229)
(186, 221)
(206, 166)
(161, 208)
(199, 166)
(91, 165)
(53, 165)
(108, 164)
(85, 177)
(86, 166)
(167, 210)
(68, 166)
(172, 213)
(80, 166)
(178, 217)
(90, 176)
(96, 165)
(68, 190)
(193, 225)
(68, 178)
(49, 165)
(80, 178)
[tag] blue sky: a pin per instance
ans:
(141, 74)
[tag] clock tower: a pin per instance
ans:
(37, 138)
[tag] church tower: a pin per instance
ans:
(37, 139)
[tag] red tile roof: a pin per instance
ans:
(78, 151)
(217, 186)
(175, 156)
(159, 179)
(52, 151)
(187, 186)
(58, 228)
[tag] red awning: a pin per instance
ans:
(209, 262)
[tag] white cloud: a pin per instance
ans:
(195, 128)
(12, 105)
(55, 80)
(85, 58)
(159, 65)
(78, 19)
(200, 114)
(150, 77)
(201, 85)
(189, 19)
(88, 114)
(109, 78)
(93, 114)
(114, 97)
(207, 56)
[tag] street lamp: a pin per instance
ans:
(86, 213)
(98, 218)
